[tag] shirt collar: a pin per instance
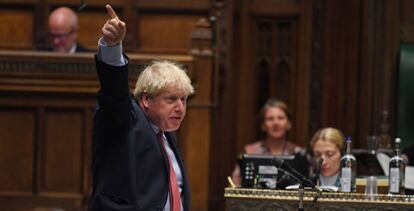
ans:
(73, 49)
(155, 128)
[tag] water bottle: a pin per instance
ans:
(397, 171)
(348, 169)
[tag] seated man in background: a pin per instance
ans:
(63, 31)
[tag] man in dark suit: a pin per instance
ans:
(63, 31)
(136, 162)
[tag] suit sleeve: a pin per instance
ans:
(113, 112)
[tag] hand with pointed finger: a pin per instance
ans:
(113, 32)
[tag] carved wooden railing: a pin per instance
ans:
(241, 199)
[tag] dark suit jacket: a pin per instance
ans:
(129, 165)
(79, 49)
(82, 49)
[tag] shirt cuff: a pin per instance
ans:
(111, 55)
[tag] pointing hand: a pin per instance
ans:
(114, 30)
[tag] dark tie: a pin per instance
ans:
(175, 198)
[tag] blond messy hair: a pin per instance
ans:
(162, 74)
(329, 134)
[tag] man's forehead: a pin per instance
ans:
(61, 28)
(172, 91)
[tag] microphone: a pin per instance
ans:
(281, 164)
(316, 164)
(82, 5)
(287, 175)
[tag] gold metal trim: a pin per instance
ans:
(309, 195)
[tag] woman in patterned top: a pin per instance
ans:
(276, 122)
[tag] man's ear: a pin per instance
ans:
(145, 100)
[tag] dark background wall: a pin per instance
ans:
(334, 62)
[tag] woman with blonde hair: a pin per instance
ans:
(327, 146)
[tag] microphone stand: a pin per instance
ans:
(303, 180)
(301, 192)
(301, 189)
(316, 167)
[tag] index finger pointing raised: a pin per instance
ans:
(110, 11)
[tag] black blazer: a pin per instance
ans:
(81, 49)
(129, 166)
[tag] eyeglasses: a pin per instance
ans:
(61, 36)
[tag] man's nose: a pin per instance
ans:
(179, 106)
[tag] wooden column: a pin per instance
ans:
(197, 132)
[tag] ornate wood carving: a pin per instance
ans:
(259, 200)
(40, 67)
(274, 58)
(275, 67)
(201, 38)
(223, 114)
(51, 72)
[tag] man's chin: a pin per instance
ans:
(172, 128)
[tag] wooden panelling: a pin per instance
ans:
(197, 134)
(62, 152)
(20, 2)
(62, 90)
(47, 72)
(270, 57)
(17, 135)
(41, 202)
(174, 4)
(333, 61)
(197, 146)
(274, 8)
(358, 68)
(268, 66)
(303, 81)
(340, 86)
(166, 33)
(222, 154)
(89, 3)
(26, 26)
(407, 20)
(275, 68)
(90, 24)
(16, 28)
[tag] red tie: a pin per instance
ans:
(175, 198)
